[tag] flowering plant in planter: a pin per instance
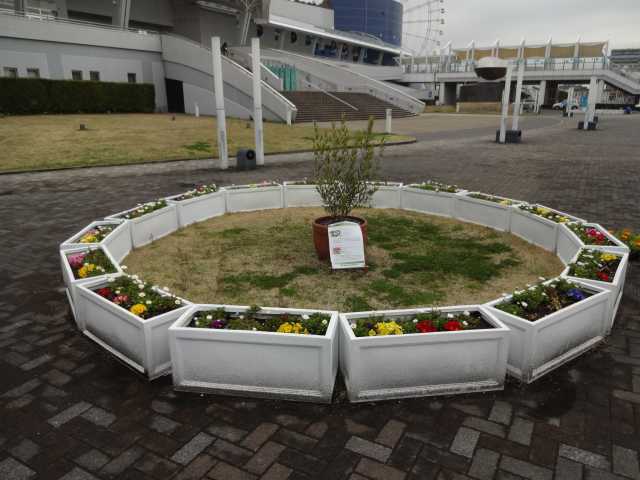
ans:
(97, 233)
(254, 320)
(544, 212)
(138, 297)
(90, 264)
(433, 321)
(144, 209)
(595, 265)
(590, 235)
(345, 166)
(492, 198)
(433, 186)
(540, 300)
(199, 191)
(304, 181)
(632, 240)
(264, 183)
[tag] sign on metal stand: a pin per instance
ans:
(346, 245)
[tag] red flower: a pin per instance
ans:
(425, 326)
(104, 292)
(452, 325)
(121, 299)
(603, 276)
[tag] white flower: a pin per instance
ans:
(178, 302)
(254, 329)
(415, 320)
(135, 277)
(464, 322)
(123, 267)
(524, 304)
(111, 279)
(166, 289)
(148, 302)
(241, 317)
(141, 286)
(542, 279)
(142, 294)
(209, 317)
(353, 326)
(324, 322)
(467, 313)
(117, 292)
(449, 315)
(305, 317)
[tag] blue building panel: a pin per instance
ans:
(380, 18)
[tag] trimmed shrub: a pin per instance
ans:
(23, 96)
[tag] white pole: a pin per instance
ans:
(387, 123)
(196, 109)
(516, 107)
(220, 115)
(505, 104)
(257, 100)
(591, 108)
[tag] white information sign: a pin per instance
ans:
(346, 246)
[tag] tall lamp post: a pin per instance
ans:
(494, 69)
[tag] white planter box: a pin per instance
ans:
(152, 226)
(200, 208)
(257, 364)
(141, 344)
(301, 196)
(537, 348)
(388, 196)
(118, 242)
(73, 284)
(428, 201)
(616, 287)
(569, 243)
(484, 212)
(248, 199)
(422, 364)
(535, 229)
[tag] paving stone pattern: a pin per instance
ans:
(70, 411)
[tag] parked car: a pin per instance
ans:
(563, 104)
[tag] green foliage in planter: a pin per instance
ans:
(345, 166)
(25, 96)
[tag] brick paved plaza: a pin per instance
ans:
(68, 410)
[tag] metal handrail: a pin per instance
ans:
(329, 94)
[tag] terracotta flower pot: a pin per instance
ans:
(321, 233)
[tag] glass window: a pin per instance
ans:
(11, 72)
(33, 72)
(131, 78)
(94, 76)
(76, 74)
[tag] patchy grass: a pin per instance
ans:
(267, 258)
(55, 141)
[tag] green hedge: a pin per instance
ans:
(23, 96)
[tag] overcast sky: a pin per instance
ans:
(536, 20)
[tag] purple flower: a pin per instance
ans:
(217, 324)
(576, 294)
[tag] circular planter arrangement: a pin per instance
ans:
(295, 354)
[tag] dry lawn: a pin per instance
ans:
(55, 141)
(267, 258)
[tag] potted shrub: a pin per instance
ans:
(301, 193)
(603, 269)
(431, 197)
(130, 319)
(538, 224)
(572, 236)
(421, 352)
(112, 235)
(345, 166)
(263, 352)
(387, 195)
(488, 210)
(550, 324)
(255, 196)
(83, 265)
(149, 221)
(198, 204)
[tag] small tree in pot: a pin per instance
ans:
(345, 168)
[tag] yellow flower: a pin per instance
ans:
(138, 309)
(86, 269)
(562, 219)
(89, 238)
(287, 327)
(505, 202)
(542, 211)
(388, 328)
(372, 333)
(608, 257)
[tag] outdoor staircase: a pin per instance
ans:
(323, 107)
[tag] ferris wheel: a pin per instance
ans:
(422, 26)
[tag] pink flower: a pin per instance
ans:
(121, 299)
(76, 260)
